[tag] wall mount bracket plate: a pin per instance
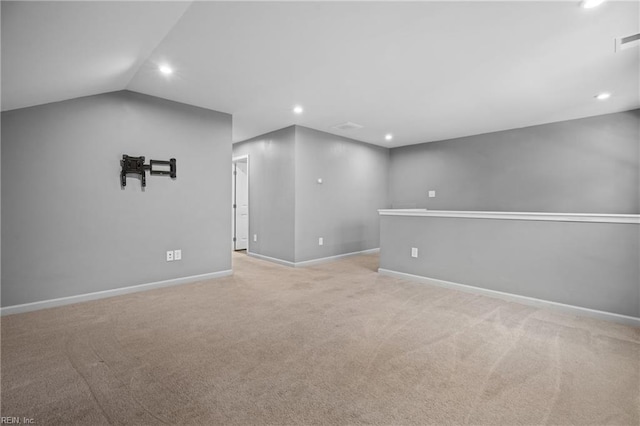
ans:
(135, 165)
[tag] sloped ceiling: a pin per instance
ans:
(53, 51)
(422, 71)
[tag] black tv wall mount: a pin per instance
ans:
(135, 165)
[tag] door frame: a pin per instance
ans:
(234, 160)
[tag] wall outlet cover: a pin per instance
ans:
(432, 194)
(170, 256)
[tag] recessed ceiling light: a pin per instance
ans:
(298, 109)
(590, 4)
(165, 69)
(388, 136)
(603, 96)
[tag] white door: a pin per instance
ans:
(233, 206)
(241, 205)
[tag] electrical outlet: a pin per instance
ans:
(177, 254)
(414, 252)
(170, 256)
(432, 194)
(320, 241)
(255, 238)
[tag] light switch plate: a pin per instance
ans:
(414, 252)
(432, 194)
(320, 241)
(177, 255)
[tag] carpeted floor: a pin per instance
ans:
(330, 344)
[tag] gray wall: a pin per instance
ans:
(582, 166)
(343, 209)
(271, 192)
(67, 226)
(592, 265)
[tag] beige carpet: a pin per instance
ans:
(330, 344)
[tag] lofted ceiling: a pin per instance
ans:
(423, 71)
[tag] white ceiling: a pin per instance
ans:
(423, 71)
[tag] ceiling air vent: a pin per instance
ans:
(627, 42)
(347, 126)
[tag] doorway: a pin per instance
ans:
(240, 203)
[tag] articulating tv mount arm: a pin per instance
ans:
(135, 165)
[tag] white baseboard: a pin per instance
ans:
(525, 300)
(333, 258)
(312, 261)
(52, 303)
(271, 259)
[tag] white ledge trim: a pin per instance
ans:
(555, 217)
